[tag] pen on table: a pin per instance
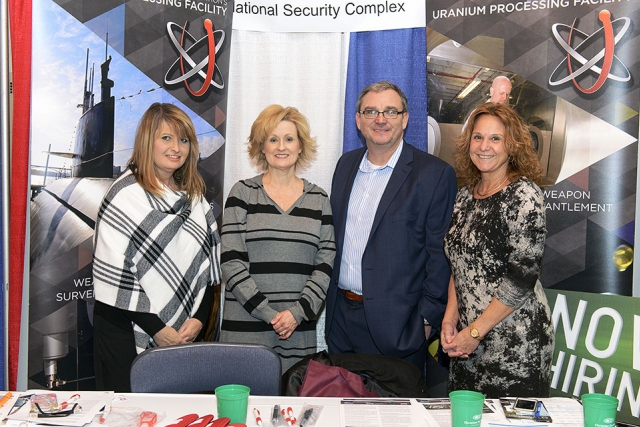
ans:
(306, 417)
(290, 414)
(4, 399)
(275, 415)
(284, 414)
(538, 407)
(72, 399)
(105, 412)
(256, 414)
(288, 418)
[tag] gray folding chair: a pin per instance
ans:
(203, 366)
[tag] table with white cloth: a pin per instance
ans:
(344, 412)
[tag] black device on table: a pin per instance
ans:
(525, 406)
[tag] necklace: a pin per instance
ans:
(493, 189)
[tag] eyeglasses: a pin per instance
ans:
(370, 113)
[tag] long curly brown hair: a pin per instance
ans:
(523, 160)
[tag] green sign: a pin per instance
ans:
(597, 348)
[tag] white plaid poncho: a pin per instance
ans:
(154, 255)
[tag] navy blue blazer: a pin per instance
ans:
(405, 275)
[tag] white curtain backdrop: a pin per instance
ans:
(303, 70)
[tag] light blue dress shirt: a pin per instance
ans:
(371, 181)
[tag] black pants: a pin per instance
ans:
(113, 352)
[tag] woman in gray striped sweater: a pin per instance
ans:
(277, 242)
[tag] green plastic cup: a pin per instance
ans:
(599, 410)
(466, 408)
(233, 400)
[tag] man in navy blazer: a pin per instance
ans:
(391, 205)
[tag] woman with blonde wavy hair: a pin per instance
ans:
(156, 249)
(277, 242)
(497, 326)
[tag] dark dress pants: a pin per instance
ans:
(350, 333)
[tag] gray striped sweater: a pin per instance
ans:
(273, 261)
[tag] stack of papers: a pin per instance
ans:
(19, 408)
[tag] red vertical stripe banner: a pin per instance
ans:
(20, 38)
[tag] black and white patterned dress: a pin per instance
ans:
(495, 248)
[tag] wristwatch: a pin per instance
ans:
(426, 322)
(474, 333)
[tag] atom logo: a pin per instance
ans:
(603, 69)
(212, 69)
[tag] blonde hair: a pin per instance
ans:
(267, 121)
(141, 163)
(523, 160)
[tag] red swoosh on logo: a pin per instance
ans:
(605, 18)
(208, 25)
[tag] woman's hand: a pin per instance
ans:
(168, 336)
(190, 329)
(462, 345)
(284, 324)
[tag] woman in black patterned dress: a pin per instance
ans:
(497, 327)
